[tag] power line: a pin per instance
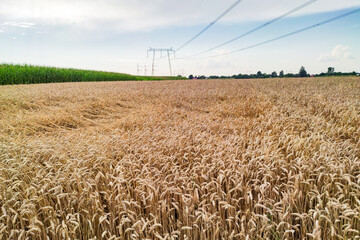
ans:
(258, 28)
(198, 6)
(285, 35)
(195, 9)
(293, 33)
(210, 25)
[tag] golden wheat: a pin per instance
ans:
(214, 159)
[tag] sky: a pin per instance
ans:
(114, 35)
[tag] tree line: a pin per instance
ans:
(302, 73)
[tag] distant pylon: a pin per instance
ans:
(145, 70)
(161, 50)
(138, 69)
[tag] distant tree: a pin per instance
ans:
(330, 71)
(302, 72)
(191, 76)
(281, 73)
(274, 74)
(290, 75)
(259, 74)
(253, 76)
(241, 76)
(225, 77)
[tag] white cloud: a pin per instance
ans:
(339, 53)
(1, 30)
(133, 15)
(216, 64)
(121, 60)
(17, 24)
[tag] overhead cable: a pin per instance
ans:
(210, 25)
(258, 28)
(285, 35)
(295, 32)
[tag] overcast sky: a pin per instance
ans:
(113, 35)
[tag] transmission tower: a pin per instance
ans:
(145, 70)
(138, 69)
(161, 50)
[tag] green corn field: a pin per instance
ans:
(28, 74)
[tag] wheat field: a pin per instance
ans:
(196, 159)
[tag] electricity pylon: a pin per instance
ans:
(145, 70)
(161, 50)
(138, 69)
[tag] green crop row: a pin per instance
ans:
(28, 74)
